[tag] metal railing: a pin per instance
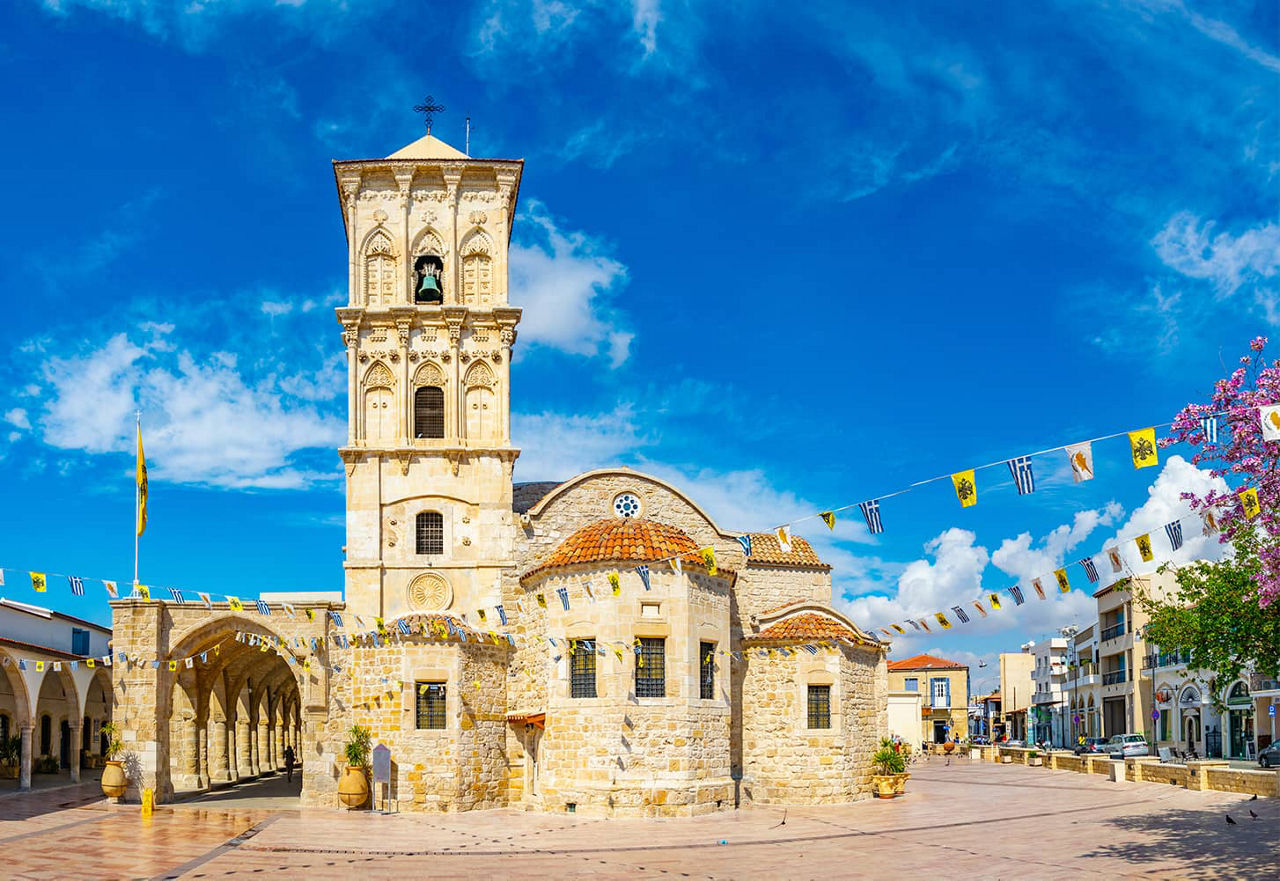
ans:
(1115, 677)
(1112, 632)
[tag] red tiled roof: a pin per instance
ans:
(766, 551)
(32, 647)
(926, 662)
(805, 626)
(622, 540)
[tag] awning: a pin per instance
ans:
(538, 719)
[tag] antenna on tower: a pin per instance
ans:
(468, 149)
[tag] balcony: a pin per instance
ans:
(1116, 630)
(1115, 677)
(1165, 659)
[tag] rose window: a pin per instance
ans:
(626, 505)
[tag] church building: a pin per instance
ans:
(600, 645)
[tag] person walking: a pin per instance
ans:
(289, 760)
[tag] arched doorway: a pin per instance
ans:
(1239, 722)
(1191, 724)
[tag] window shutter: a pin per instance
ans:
(428, 412)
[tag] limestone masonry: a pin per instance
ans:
(674, 690)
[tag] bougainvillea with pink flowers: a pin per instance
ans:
(1244, 458)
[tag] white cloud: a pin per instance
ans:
(556, 446)
(17, 417)
(204, 423)
(1020, 559)
(1187, 244)
(1165, 504)
(565, 282)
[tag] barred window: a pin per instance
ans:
(707, 671)
(582, 668)
(431, 532)
(651, 668)
(430, 704)
(819, 706)
(428, 412)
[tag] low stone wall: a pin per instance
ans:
(1213, 774)
(1264, 783)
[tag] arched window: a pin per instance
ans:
(430, 532)
(379, 270)
(481, 403)
(428, 412)
(477, 280)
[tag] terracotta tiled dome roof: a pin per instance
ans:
(622, 540)
(806, 625)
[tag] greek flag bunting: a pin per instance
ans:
(177, 596)
(1016, 593)
(643, 569)
(263, 608)
(1174, 531)
(77, 585)
(335, 618)
(871, 513)
(961, 614)
(1020, 468)
(913, 624)
(744, 540)
(563, 593)
(502, 613)
(1209, 425)
(1090, 569)
(403, 626)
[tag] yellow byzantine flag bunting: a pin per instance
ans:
(1249, 502)
(38, 582)
(615, 583)
(966, 487)
(942, 619)
(234, 604)
(1144, 547)
(1063, 584)
(828, 518)
(994, 599)
(142, 486)
(143, 591)
(709, 557)
(1143, 445)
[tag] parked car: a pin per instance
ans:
(1269, 756)
(1123, 746)
(1090, 745)
(981, 740)
(1013, 743)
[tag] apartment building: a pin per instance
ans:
(945, 694)
(1050, 713)
(1016, 690)
(1083, 681)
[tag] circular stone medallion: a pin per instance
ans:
(430, 592)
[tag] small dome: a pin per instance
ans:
(622, 540)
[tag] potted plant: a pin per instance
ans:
(114, 781)
(10, 756)
(1033, 758)
(890, 779)
(353, 788)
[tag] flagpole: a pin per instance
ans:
(137, 496)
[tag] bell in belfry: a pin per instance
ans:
(429, 290)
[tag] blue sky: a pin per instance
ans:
(789, 256)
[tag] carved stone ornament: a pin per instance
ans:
(380, 216)
(478, 217)
(430, 592)
(402, 330)
(496, 356)
(428, 374)
(413, 357)
(479, 375)
(466, 541)
(379, 377)
(363, 357)
(508, 336)
(464, 357)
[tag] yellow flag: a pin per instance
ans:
(234, 604)
(142, 486)
(828, 518)
(898, 627)
(381, 625)
(38, 582)
(942, 619)
(173, 665)
(542, 600)
(1249, 502)
(994, 599)
(615, 583)
(39, 666)
(966, 487)
(1144, 547)
(144, 592)
(1063, 584)
(709, 557)
(1143, 444)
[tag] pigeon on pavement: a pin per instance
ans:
(1230, 822)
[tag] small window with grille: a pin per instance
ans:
(582, 668)
(428, 412)
(819, 706)
(651, 668)
(430, 532)
(707, 670)
(430, 705)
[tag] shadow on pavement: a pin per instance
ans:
(1205, 844)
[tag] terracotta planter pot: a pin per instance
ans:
(900, 783)
(886, 785)
(949, 747)
(353, 788)
(114, 782)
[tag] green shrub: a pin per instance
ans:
(46, 765)
(114, 745)
(888, 760)
(359, 743)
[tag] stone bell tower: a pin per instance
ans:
(428, 332)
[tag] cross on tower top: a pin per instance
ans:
(429, 108)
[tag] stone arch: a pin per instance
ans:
(480, 402)
(478, 254)
(63, 709)
(379, 376)
(429, 374)
(633, 477)
(22, 703)
(429, 242)
(380, 264)
(477, 242)
(379, 420)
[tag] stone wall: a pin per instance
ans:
(1262, 783)
(784, 761)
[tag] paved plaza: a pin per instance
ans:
(960, 820)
